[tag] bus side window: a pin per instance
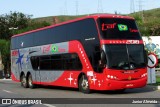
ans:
(35, 62)
(45, 63)
(69, 61)
(72, 62)
(56, 62)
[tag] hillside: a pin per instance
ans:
(60, 19)
(148, 22)
(149, 15)
(152, 15)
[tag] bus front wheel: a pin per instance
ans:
(120, 90)
(84, 85)
(24, 81)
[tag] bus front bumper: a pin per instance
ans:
(117, 85)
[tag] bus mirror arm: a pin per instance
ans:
(101, 65)
(146, 56)
(102, 62)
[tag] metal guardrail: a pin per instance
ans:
(157, 69)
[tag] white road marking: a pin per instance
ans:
(49, 105)
(7, 91)
(158, 87)
(5, 79)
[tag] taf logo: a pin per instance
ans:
(46, 49)
(108, 26)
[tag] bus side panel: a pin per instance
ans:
(67, 79)
(57, 78)
(15, 73)
(49, 50)
(52, 77)
(20, 62)
(98, 80)
(87, 67)
(76, 46)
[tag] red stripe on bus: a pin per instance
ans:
(14, 78)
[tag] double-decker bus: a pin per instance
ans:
(97, 52)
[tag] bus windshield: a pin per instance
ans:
(123, 56)
(117, 28)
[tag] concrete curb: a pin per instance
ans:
(154, 87)
(158, 87)
(6, 79)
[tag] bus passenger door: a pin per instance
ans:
(37, 76)
(36, 68)
(44, 71)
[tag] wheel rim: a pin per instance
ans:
(84, 83)
(30, 81)
(24, 81)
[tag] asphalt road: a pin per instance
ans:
(10, 89)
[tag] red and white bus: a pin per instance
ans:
(97, 52)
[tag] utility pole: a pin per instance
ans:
(65, 8)
(132, 6)
(99, 8)
(140, 5)
(141, 12)
(77, 7)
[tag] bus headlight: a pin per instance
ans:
(144, 75)
(111, 77)
(108, 76)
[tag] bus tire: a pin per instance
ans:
(83, 85)
(24, 81)
(120, 90)
(30, 82)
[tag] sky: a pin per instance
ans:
(44, 8)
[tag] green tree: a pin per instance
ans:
(4, 31)
(32, 25)
(18, 19)
(5, 54)
(12, 20)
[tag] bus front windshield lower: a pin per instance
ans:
(123, 56)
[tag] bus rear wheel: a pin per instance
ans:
(30, 82)
(84, 85)
(24, 81)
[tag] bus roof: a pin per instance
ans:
(74, 20)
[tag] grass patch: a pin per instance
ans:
(158, 80)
